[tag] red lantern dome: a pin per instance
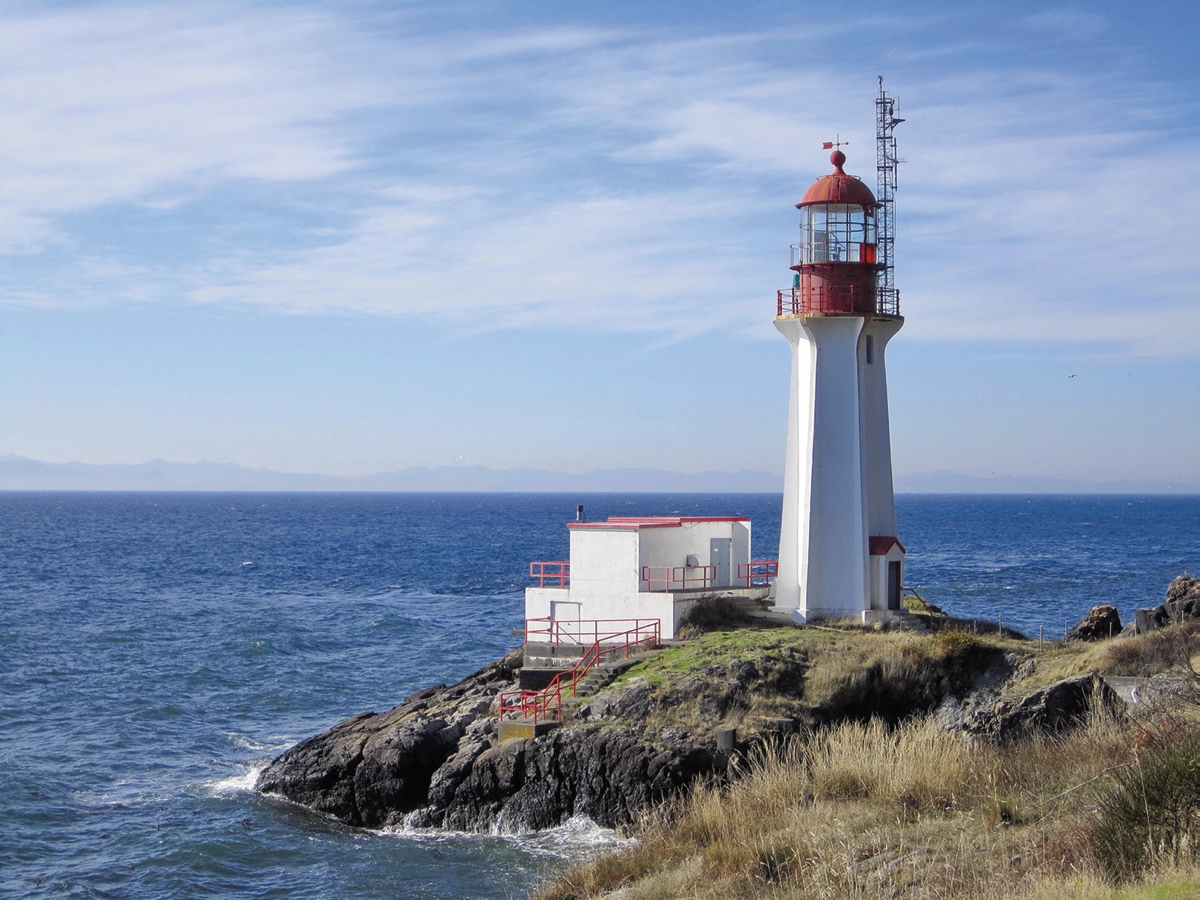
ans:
(836, 261)
(838, 187)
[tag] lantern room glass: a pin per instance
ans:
(835, 232)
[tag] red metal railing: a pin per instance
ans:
(577, 632)
(794, 301)
(686, 577)
(758, 572)
(559, 576)
(546, 705)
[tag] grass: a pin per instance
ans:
(863, 811)
(878, 806)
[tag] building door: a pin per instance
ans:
(720, 551)
(894, 584)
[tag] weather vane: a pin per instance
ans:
(838, 143)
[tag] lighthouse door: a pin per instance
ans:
(894, 584)
(719, 553)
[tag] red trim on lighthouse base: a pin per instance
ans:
(881, 544)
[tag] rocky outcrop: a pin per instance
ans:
(374, 769)
(1052, 709)
(603, 773)
(1182, 604)
(436, 761)
(1101, 623)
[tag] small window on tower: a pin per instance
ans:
(870, 350)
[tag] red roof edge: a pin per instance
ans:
(881, 544)
(617, 522)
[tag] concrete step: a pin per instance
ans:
(902, 618)
(517, 729)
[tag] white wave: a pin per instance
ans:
(245, 742)
(577, 833)
(579, 836)
(241, 783)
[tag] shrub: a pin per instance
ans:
(1149, 654)
(893, 678)
(713, 614)
(1152, 812)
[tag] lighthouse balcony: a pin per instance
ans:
(827, 299)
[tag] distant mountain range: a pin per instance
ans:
(943, 482)
(21, 474)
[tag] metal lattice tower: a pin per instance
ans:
(886, 164)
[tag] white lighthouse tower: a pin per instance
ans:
(838, 552)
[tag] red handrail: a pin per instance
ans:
(562, 575)
(669, 575)
(577, 632)
(758, 572)
(546, 705)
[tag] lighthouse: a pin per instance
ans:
(839, 556)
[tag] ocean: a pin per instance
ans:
(157, 649)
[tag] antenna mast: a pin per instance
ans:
(886, 164)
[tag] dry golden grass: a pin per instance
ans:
(919, 766)
(863, 811)
(867, 809)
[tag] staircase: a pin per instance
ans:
(548, 686)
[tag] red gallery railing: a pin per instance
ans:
(758, 572)
(688, 578)
(796, 301)
(557, 577)
(585, 632)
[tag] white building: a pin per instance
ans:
(639, 568)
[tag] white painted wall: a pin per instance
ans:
(606, 565)
(876, 430)
(823, 561)
(605, 560)
(673, 545)
(837, 564)
(793, 526)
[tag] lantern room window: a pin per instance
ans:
(835, 232)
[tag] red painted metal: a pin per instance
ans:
(838, 187)
(546, 705)
(758, 572)
(559, 576)
(572, 632)
(837, 262)
(666, 576)
(632, 522)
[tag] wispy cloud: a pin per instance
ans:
(576, 176)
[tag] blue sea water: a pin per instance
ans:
(157, 649)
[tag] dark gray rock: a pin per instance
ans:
(1182, 604)
(1053, 709)
(606, 774)
(1101, 623)
(373, 769)
(434, 762)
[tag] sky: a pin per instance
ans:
(352, 237)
